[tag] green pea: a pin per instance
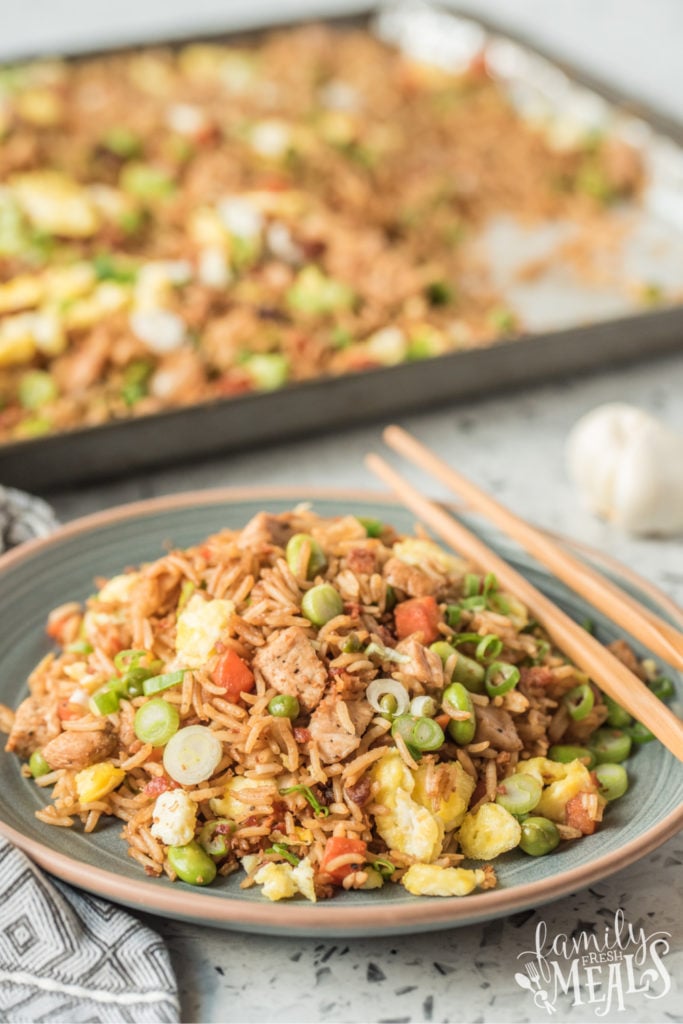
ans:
(214, 837)
(284, 706)
(38, 765)
(640, 733)
(388, 704)
(565, 754)
(322, 603)
(373, 527)
(610, 746)
(456, 698)
(192, 864)
(612, 780)
(470, 673)
(316, 559)
(539, 837)
(617, 717)
(519, 793)
(443, 649)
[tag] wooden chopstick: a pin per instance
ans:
(585, 651)
(653, 631)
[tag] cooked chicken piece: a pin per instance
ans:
(289, 663)
(496, 726)
(328, 728)
(409, 578)
(621, 650)
(35, 723)
(425, 665)
(263, 530)
(78, 749)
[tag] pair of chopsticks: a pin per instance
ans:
(613, 677)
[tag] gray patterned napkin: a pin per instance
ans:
(64, 955)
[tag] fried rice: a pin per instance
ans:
(315, 660)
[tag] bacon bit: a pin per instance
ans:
(232, 384)
(302, 735)
(443, 720)
(353, 608)
(155, 787)
(537, 675)
(479, 793)
(578, 813)
(361, 560)
(360, 362)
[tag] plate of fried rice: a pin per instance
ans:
(296, 712)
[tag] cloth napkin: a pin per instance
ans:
(65, 955)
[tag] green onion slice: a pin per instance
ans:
(579, 701)
(501, 678)
(157, 684)
(104, 701)
(383, 866)
(318, 809)
(282, 850)
(489, 646)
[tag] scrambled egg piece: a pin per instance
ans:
(175, 818)
(277, 881)
(303, 877)
(200, 625)
(451, 811)
(56, 204)
(488, 832)
(417, 551)
(118, 589)
(97, 781)
(432, 880)
(282, 881)
(408, 826)
(561, 782)
(228, 806)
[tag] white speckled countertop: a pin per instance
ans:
(513, 446)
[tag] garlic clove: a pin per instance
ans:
(629, 469)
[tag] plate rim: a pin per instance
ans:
(296, 917)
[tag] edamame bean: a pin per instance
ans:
(456, 698)
(316, 559)
(322, 603)
(470, 673)
(539, 837)
(192, 864)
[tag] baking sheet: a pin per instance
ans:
(584, 316)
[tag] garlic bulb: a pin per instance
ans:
(629, 469)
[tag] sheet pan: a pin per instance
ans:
(577, 328)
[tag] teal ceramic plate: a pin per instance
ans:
(46, 573)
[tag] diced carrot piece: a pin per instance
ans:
(418, 615)
(234, 675)
(67, 710)
(340, 846)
